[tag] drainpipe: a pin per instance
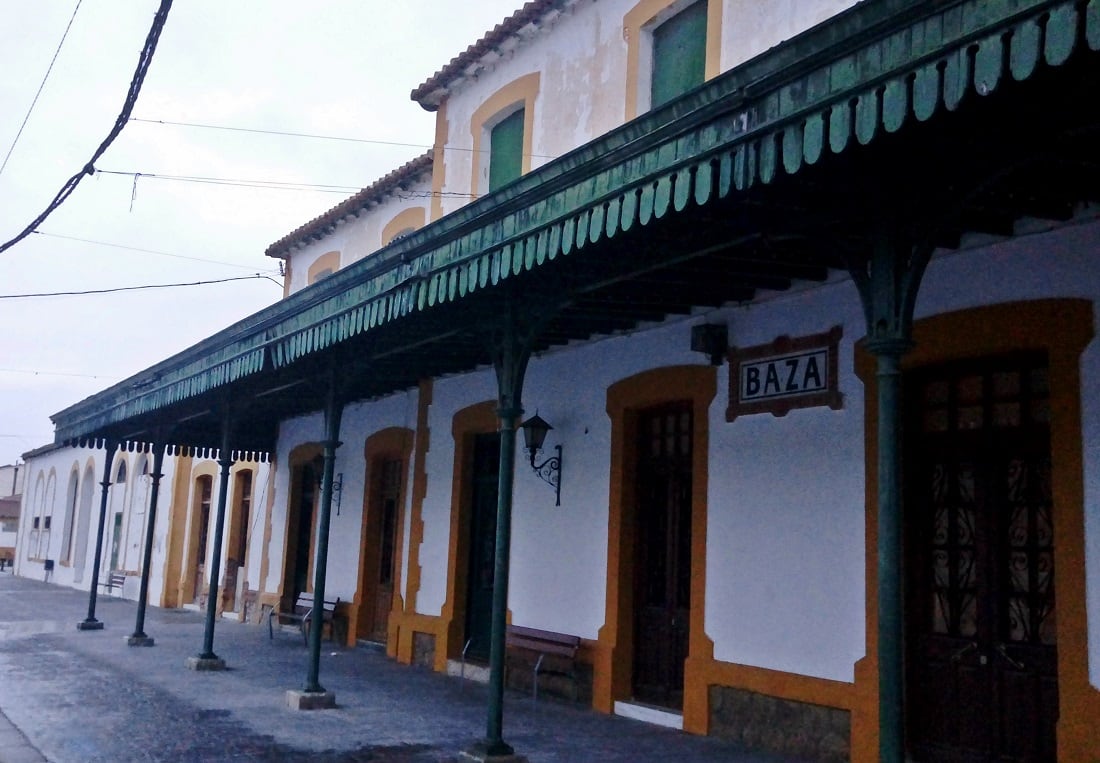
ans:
(888, 284)
(207, 660)
(90, 623)
(138, 637)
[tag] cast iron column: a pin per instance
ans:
(138, 637)
(90, 623)
(207, 660)
(510, 362)
(333, 411)
(888, 284)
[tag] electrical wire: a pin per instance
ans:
(146, 251)
(33, 372)
(145, 58)
(277, 185)
(139, 288)
(42, 85)
(311, 135)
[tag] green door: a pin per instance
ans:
(483, 529)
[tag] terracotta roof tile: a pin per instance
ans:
(320, 225)
(430, 93)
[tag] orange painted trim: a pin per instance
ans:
(613, 651)
(266, 597)
(404, 637)
(521, 93)
(411, 218)
(645, 13)
(177, 528)
(327, 261)
(476, 419)
(394, 443)
(205, 468)
(1062, 328)
(286, 277)
(439, 160)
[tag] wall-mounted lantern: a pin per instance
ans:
(534, 435)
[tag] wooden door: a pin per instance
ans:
(202, 516)
(387, 500)
(982, 673)
(662, 554)
(482, 548)
(299, 536)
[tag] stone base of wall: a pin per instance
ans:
(520, 675)
(424, 649)
(783, 726)
(249, 600)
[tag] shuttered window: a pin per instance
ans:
(506, 151)
(679, 54)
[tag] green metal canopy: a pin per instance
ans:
(769, 174)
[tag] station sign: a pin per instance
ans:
(788, 373)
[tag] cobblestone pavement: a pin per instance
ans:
(79, 696)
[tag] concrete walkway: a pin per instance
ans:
(68, 695)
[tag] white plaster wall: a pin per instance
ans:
(750, 27)
(359, 421)
(582, 58)
(356, 237)
(448, 396)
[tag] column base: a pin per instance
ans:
(89, 625)
(483, 752)
(297, 699)
(205, 663)
(141, 640)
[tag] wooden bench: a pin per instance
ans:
(302, 615)
(559, 647)
(115, 580)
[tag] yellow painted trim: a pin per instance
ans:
(209, 469)
(265, 556)
(645, 13)
(521, 91)
(327, 261)
(394, 443)
(613, 651)
(1062, 328)
(299, 455)
(177, 527)
(286, 277)
(439, 160)
(411, 218)
(402, 643)
(233, 535)
(476, 419)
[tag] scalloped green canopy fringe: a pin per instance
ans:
(869, 71)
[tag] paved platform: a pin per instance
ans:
(79, 696)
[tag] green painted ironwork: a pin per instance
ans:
(90, 623)
(150, 527)
(870, 70)
(225, 461)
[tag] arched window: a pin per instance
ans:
(120, 475)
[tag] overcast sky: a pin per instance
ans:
(342, 69)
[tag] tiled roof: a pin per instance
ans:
(499, 38)
(325, 223)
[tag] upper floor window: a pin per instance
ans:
(679, 54)
(506, 150)
(672, 47)
(324, 266)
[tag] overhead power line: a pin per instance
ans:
(138, 288)
(277, 185)
(40, 86)
(314, 136)
(146, 251)
(144, 60)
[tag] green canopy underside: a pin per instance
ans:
(867, 72)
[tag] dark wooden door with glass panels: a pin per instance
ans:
(387, 500)
(662, 554)
(483, 531)
(981, 675)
